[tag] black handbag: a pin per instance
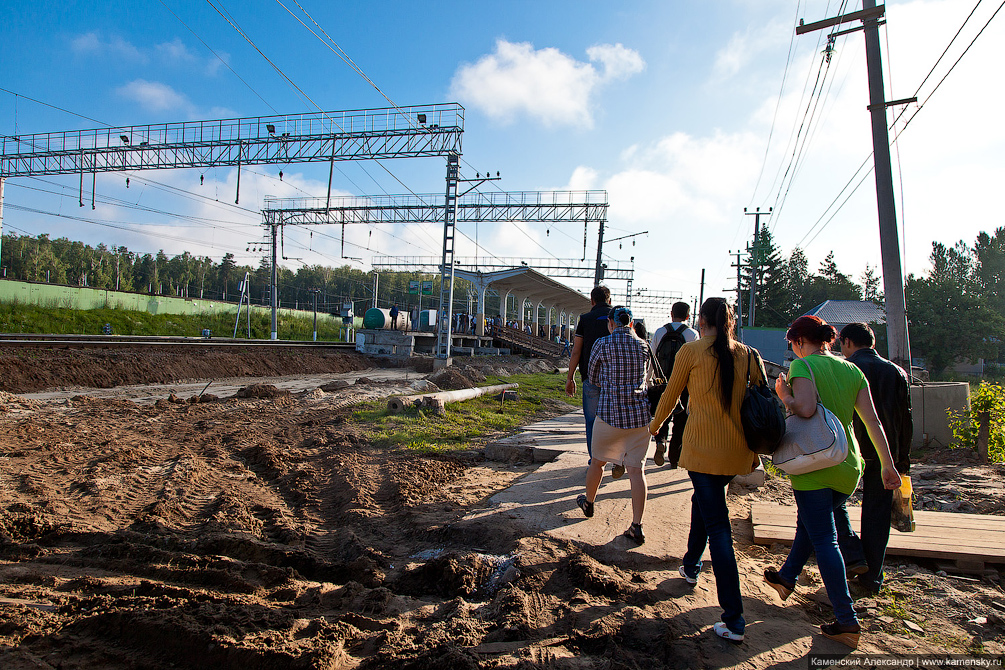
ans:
(655, 391)
(762, 414)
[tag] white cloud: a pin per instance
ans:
(155, 96)
(175, 51)
(544, 84)
(745, 48)
(618, 61)
(92, 44)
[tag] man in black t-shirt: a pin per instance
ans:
(591, 327)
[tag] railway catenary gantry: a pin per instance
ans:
(360, 134)
(530, 206)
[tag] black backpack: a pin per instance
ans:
(669, 345)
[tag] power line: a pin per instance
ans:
(46, 104)
(222, 60)
(102, 222)
(904, 127)
(778, 104)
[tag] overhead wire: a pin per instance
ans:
(118, 202)
(220, 58)
(222, 11)
(104, 223)
(799, 147)
(791, 141)
(901, 130)
(335, 48)
(778, 102)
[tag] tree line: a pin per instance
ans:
(956, 311)
(62, 261)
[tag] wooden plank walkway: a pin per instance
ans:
(938, 535)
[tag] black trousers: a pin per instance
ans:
(677, 420)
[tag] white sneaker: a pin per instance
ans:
(687, 578)
(723, 631)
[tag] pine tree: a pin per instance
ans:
(870, 285)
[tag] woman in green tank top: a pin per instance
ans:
(843, 389)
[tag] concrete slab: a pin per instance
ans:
(544, 501)
(543, 441)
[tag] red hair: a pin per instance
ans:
(812, 329)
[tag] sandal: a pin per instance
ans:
(847, 634)
(585, 505)
(635, 533)
(775, 581)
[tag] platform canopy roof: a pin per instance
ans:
(529, 283)
(840, 313)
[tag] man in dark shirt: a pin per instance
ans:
(591, 327)
(891, 394)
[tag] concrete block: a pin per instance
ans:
(508, 453)
(546, 455)
(928, 408)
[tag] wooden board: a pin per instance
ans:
(945, 535)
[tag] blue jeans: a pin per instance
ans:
(817, 532)
(877, 505)
(710, 525)
(591, 400)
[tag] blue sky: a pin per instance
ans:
(668, 105)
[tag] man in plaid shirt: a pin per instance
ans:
(621, 430)
(618, 367)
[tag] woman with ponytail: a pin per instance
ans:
(714, 370)
(840, 386)
(620, 436)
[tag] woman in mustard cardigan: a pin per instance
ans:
(714, 370)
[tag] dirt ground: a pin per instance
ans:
(266, 531)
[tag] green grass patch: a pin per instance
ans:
(17, 317)
(468, 424)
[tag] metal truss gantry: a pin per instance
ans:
(470, 207)
(553, 267)
(532, 206)
(650, 303)
(360, 134)
(393, 132)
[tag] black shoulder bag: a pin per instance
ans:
(762, 414)
(655, 390)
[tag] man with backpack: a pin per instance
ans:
(667, 341)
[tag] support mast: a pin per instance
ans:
(893, 274)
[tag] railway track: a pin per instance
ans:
(15, 341)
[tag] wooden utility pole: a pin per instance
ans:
(701, 294)
(739, 295)
(893, 275)
(753, 259)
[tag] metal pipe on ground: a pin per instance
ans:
(401, 403)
